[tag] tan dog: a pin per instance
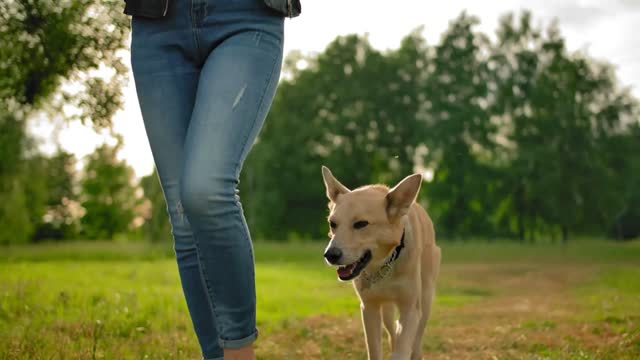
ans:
(384, 241)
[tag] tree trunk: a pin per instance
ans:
(565, 234)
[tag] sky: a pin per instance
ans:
(605, 29)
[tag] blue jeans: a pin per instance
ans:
(205, 77)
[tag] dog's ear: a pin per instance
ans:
(400, 198)
(333, 186)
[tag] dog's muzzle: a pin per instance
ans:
(333, 255)
(351, 271)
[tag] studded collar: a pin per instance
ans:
(370, 279)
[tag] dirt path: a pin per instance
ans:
(529, 313)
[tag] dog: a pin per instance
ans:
(384, 242)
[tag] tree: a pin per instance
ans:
(45, 44)
(54, 56)
(60, 220)
(456, 129)
(14, 214)
(621, 211)
(352, 107)
(558, 112)
(517, 133)
(108, 195)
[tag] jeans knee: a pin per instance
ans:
(203, 196)
(193, 196)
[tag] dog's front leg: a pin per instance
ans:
(410, 314)
(372, 323)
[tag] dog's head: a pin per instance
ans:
(366, 224)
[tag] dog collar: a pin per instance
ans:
(385, 269)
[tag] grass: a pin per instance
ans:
(583, 251)
(495, 300)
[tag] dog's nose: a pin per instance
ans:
(333, 255)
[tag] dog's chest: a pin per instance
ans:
(384, 290)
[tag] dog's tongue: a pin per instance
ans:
(344, 271)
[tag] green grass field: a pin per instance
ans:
(495, 300)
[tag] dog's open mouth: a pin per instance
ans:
(349, 272)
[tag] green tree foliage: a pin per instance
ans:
(559, 113)
(57, 58)
(108, 195)
(61, 218)
(38, 195)
(14, 215)
(46, 43)
(34, 183)
(353, 108)
(523, 138)
(622, 213)
(456, 131)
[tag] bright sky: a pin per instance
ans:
(605, 29)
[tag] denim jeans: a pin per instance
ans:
(205, 76)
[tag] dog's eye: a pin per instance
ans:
(360, 224)
(333, 225)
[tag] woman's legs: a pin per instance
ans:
(166, 123)
(204, 94)
(167, 101)
(236, 86)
